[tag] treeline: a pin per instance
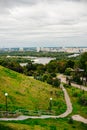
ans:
(48, 73)
(58, 55)
(38, 71)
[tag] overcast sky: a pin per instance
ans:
(28, 23)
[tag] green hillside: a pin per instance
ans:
(27, 93)
(43, 124)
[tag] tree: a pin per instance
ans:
(40, 69)
(45, 76)
(83, 100)
(68, 71)
(56, 82)
(49, 80)
(51, 67)
(70, 64)
(61, 66)
(29, 66)
(83, 63)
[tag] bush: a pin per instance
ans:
(67, 71)
(75, 94)
(83, 100)
(56, 82)
(70, 120)
(66, 86)
(53, 128)
(49, 80)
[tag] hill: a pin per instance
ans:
(27, 93)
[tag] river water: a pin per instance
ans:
(38, 60)
(43, 60)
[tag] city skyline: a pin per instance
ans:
(43, 23)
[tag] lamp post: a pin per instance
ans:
(50, 104)
(6, 95)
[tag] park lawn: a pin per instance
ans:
(75, 94)
(28, 94)
(43, 124)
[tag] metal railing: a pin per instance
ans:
(25, 112)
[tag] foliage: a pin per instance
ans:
(67, 86)
(68, 71)
(61, 66)
(56, 82)
(83, 63)
(11, 64)
(43, 124)
(25, 92)
(47, 72)
(70, 120)
(70, 63)
(51, 66)
(83, 60)
(83, 100)
(78, 98)
(76, 78)
(58, 55)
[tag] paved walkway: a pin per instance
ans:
(79, 118)
(79, 86)
(68, 111)
(63, 79)
(75, 117)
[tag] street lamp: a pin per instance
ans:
(50, 104)
(6, 95)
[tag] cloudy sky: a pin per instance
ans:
(28, 23)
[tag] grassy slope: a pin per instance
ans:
(28, 93)
(43, 124)
(25, 92)
(77, 107)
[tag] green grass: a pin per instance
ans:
(25, 93)
(28, 94)
(43, 124)
(75, 94)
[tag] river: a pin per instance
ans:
(38, 60)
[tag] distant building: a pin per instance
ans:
(38, 49)
(21, 49)
(23, 64)
(76, 50)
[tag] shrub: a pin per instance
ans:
(70, 120)
(66, 86)
(75, 94)
(67, 71)
(56, 82)
(83, 100)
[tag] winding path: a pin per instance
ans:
(75, 117)
(68, 103)
(79, 118)
(63, 79)
(68, 111)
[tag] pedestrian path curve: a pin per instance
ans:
(66, 113)
(79, 118)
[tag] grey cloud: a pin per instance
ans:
(10, 3)
(42, 19)
(6, 4)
